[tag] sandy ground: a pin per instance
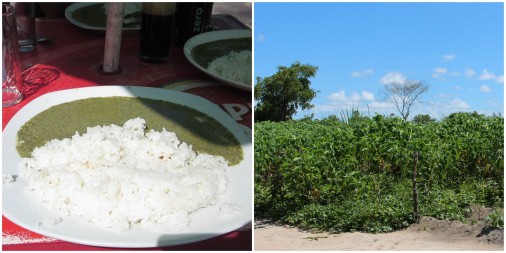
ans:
(429, 234)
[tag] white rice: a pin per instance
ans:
(235, 66)
(117, 176)
(8, 178)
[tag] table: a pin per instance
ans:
(70, 60)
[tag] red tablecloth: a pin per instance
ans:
(70, 60)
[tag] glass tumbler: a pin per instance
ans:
(11, 69)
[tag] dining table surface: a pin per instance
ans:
(71, 58)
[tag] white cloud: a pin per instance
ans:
(469, 72)
(459, 104)
(337, 96)
(261, 37)
(438, 72)
(484, 88)
(362, 73)
(457, 87)
(486, 75)
(324, 108)
(368, 104)
(393, 77)
(338, 101)
(365, 102)
(355, 97)
(448, 57)
(441, 106)
(367, 95)
(342, 99)
(381, 106)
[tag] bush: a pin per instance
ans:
(356, 175)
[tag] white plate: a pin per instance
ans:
(211, 37)
(20, 207)
(69, 11)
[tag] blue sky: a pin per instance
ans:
(457, 48)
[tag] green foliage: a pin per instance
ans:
(423, 118)
(350, 117)
(495, 220)
(356, 175)
(280, 95)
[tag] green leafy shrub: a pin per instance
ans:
(495, 220)
(356, 175)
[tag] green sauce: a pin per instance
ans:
(92, 15)
(204, 133)
(95, 15)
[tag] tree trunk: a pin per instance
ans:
(416, 215)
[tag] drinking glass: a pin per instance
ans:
(157, 28)
(11, 70)
(25, 19)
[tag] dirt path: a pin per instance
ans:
(429, 234)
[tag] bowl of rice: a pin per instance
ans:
(224, 55)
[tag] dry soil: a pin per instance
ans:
(428, 234)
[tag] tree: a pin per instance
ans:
(404, 95)
(423, 118)
(280, 95)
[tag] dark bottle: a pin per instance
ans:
(157, 28)
(192, 19)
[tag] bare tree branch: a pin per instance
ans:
(404, 95)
